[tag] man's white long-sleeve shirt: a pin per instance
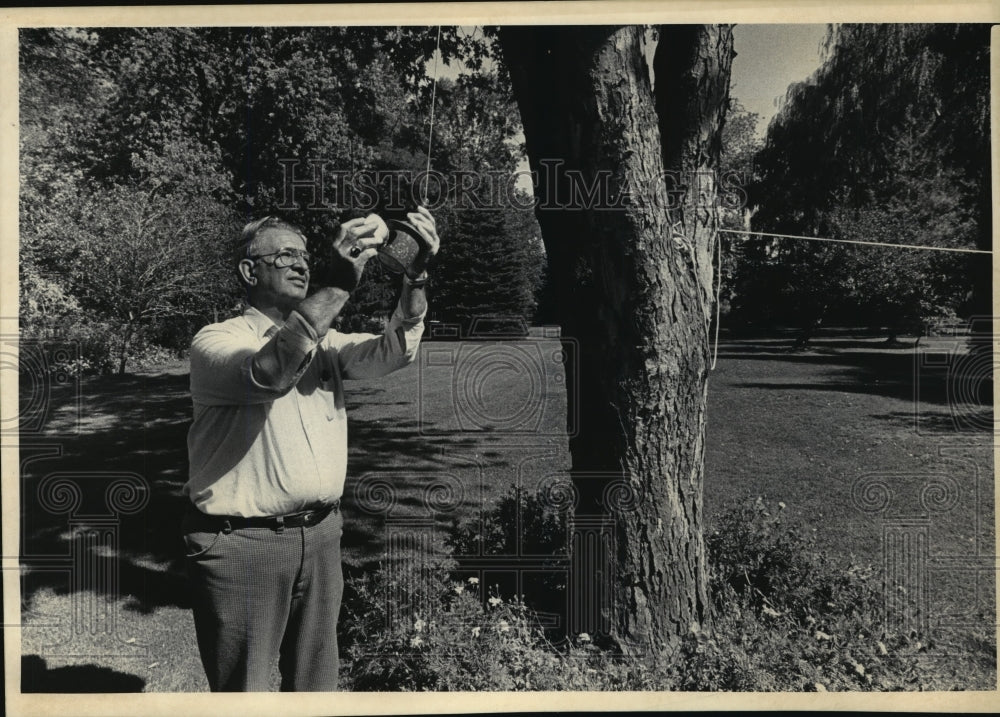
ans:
(276, 444)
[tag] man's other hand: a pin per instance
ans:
(424, 223)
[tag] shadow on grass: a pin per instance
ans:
(134, 425)
(410, 463)
(138, 425)
(939, 378)
(37, 677)
(961, 419)
(789, 346)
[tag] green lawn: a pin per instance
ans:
(797, 427)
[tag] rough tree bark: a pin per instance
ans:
(632, 278)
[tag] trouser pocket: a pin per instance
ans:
(199, 537)
(199, 543)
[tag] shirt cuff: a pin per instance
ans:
(398, 319)
(300, 333)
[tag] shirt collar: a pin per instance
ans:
(258, 321)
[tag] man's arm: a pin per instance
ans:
(373, 355)
(226, 366)
(320, 309)
(413, 299)
(229, 367)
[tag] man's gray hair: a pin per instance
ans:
(244, 245)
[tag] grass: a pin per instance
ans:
(797, 427)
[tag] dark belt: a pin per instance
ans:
(227, 523)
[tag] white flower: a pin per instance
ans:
(419, 625)
(503, 626)
(583, 637)
(416, 641)
(781, 505)
(459, 589)
(473, 581)
(494, 601)
(475, 632)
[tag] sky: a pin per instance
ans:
(768, 59)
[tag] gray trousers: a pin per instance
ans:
(259, 595)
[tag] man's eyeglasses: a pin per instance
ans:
(285, 257)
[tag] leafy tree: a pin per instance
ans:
(490, 269)
(44, 305)
(740, 143)
(140, 256)
(901, 288)
(887, 139)
(221, 114)
(492, 263)
(741, 257)
(58, 89)
(300, 94)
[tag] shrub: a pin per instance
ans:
(99, 345)
(784, 617)
(519, 523)
(412, 627)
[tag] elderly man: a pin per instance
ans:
(268, 452)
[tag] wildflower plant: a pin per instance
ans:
(784, 617)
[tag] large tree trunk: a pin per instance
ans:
(632, 281)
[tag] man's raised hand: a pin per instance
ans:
(356, 242)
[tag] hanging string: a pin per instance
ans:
(858, 241)
(718, 293)
(430, 130)
(718, 284)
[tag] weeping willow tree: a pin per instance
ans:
(888, 141)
